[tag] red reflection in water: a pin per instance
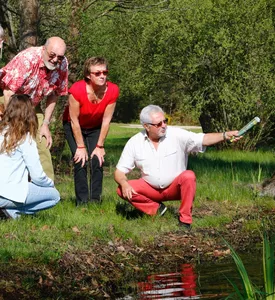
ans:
(175, 285)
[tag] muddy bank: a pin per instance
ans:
(102, 271)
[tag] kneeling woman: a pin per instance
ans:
(19, 161)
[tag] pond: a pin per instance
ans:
(196, 281)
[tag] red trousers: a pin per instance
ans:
(147, 198)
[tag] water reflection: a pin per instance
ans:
(199, 281)
(179, 285)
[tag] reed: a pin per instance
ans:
(249, 290)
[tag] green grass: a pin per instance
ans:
(224, 180)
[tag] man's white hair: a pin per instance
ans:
(146, 113)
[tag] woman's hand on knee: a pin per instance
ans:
(81, 155)
(100, 153)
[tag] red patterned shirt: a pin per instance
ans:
(27, 74)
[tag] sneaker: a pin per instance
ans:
(162, 209)
(4, 215)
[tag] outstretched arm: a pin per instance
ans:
(215, 138)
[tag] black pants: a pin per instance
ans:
(82, 191)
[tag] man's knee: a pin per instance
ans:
(187, 176)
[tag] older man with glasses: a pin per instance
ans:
(40, 72)
(161, 153)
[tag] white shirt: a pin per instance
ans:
(14, 171)
(160, 167)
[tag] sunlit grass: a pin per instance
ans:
(225, 181)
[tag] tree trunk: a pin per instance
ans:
(29, 23)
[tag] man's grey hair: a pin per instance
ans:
(146, 113)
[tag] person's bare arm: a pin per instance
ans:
(107, 117)
(7, 94)
(44, 129)
(214, 138)
(126, 188)
(81, 152)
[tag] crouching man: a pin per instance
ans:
(161, 153)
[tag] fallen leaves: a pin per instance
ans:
(76, 230)
(218, 253)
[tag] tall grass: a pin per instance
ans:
(249, 290)
(223, 193)
(268, 266)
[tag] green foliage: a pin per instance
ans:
(212, 59)
(249, 291)
(205, 60)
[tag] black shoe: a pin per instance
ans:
(162, 209)
(184, 226)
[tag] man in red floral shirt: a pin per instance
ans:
(40, 72)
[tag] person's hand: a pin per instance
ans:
(127, 191)
(45, 131)
(232, 136)
(81, 155)
(100, 153)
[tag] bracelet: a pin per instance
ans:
(100, 147)
(81, 147)
(224, 136)
(46, 122)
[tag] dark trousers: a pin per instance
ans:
(82, 191)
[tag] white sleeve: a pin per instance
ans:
(126, 162)
(190, 141)
(33, 164)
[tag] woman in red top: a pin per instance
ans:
(86, 122)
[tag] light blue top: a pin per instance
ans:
(14, 170)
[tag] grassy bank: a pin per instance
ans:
(226, 191)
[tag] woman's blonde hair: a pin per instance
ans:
(18, 120)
